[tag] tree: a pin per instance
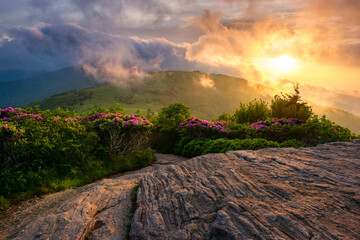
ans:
(171, 116)
(165, 135)
(112, 109)
(251, 112)
(290, 106)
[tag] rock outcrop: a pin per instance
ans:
(306, 193)
(98, 210)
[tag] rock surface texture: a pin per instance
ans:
(98, 210)
(306, 193)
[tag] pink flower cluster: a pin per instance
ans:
(31, 116)
(102, 116)
(275, 121)
(259, 125)
(335, 130)
(9, 114)
(196, 122)
(117, 118)
(135, 121)
(6, 119)
(69, 119)
(9, 109)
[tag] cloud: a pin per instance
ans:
(111, 57)
(205, 82)
(102, 15)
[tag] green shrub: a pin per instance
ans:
(3, 202)
(204, 146)
(194, 148)
(171, 116)
(216, 146)
(291, 143)
(142, 158)
(239, 131)
(224, 117)
(164, 134)
(251, 112)
(135, 160)
(164, 140)
(321, 130)
(252, 144)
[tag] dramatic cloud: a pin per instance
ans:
(111, 57)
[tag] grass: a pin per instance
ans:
(52, 183)
(4, 203)
(134, 191)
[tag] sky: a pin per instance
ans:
(273, 42)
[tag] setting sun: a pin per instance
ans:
(274, 68)
(283, 64)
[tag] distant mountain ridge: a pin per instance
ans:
(24, 91)
(12, 75)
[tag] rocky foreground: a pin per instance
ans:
(98, 210)
(306, 193)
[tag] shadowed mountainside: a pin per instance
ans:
(24, 91)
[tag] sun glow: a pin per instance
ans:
(283, 64)
(274, 68)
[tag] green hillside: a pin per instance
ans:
(162, 89)
(149, 96)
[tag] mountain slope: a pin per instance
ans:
(208, 95)
(163, 88)
(20, 92)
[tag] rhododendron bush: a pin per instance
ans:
(197, 128)
(311, 132)
(121, 133)
(36, 145)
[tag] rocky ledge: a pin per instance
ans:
(305, 193)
